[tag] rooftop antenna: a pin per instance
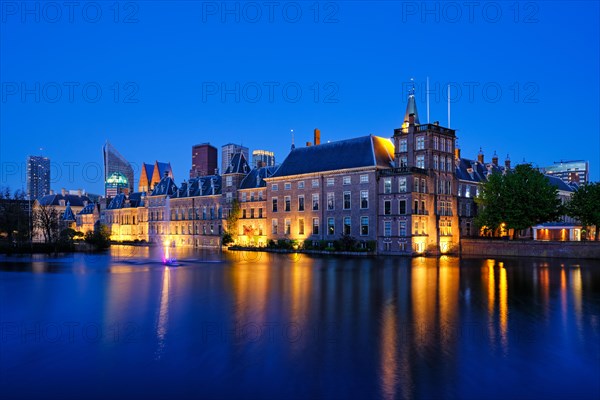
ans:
(448, 105)
(427, 94)
(292, 132)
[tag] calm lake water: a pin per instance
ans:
(258, 325)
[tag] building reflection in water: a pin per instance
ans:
(503, 306)
(163, 313)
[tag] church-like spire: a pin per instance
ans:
(411, 107)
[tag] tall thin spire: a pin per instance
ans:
(411, 107)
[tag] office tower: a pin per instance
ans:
(115, 162)
(204, 160)
(227, 153)
(38, 176)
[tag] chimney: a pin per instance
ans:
(480, 156)
(166, 173)
(457, 153)
(63, 191)
(308, 144)
(317, 137)
(507, 162)
(495, 159)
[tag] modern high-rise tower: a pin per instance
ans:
(115, 162)
(227, 153)
(263, 158)
(38, 176)
(204, 160)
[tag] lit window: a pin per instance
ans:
(402, 145)
(346, 180)
(288, 226)
(387, 186)
(402, 228)
(274, 226)
(402, 185)
(300, 226)
(420, 142)
(421, 161)
(364, 179)
(330, 226)
(229, 181)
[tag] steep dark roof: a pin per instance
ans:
(136, 199)
(411, 108)
(256, 177)
(238, 165)
(201, 186)
(559, 183)
(68, 214)
(474, 171)
(117, 202)
(166, 186)
(149, 170)
(365, 151)
(163, 167)
(89, 209)
(73, 199)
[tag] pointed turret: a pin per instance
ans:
(411, 108)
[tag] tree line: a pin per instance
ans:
(524, 197)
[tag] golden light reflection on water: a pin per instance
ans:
(449, 278)
(503, 306)
(389, 351)
(490, 282)
(563, 294)
(163, 314)
(576, 288)
(424, 300)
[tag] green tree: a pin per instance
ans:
(14, 218)
(99, 237)
(521, 198)
(585, 206)
(232, 222)
(490, 203)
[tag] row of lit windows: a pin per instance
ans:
(251, 214)
(346, 180)
(330, 228)
(419, 186)
(174, 229)
(440, 144)
(245, 196)
(439, 164)
(346, 203)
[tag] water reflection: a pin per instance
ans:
(267, 325)
(163, 313)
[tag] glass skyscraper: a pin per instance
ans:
(38, 176)
(115, 162)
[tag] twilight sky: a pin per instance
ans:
(154, 78)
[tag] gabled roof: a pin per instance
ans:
(136, 199)
(201, 186)
(164, 167)
(149, 169)
(68, 214)
(238, 165)
(559, 183)
(73, 199)
(364, 151)
(256, 177)
(166, 186)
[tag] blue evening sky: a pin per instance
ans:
(156, 77)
